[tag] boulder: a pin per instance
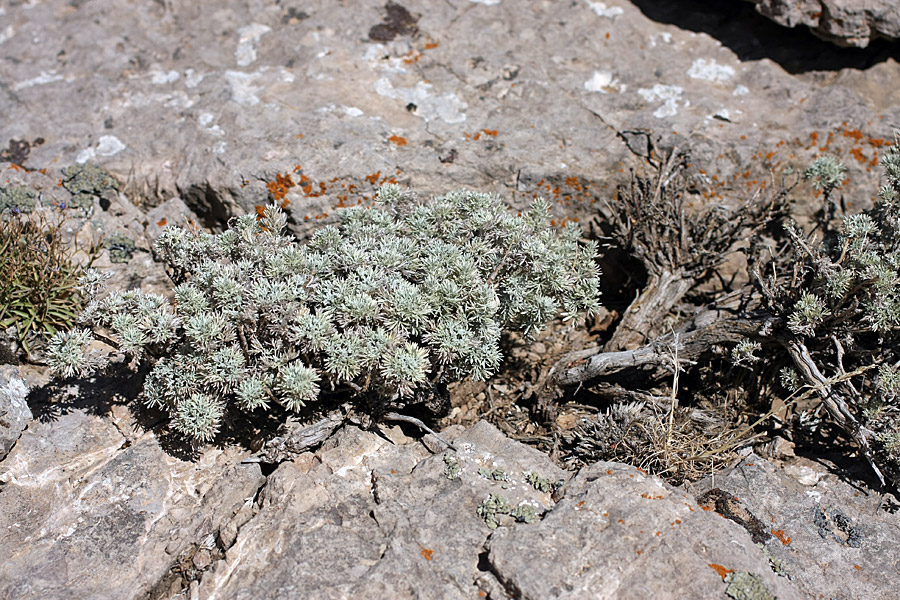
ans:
(853, 23)
(92, 507)
(828, 535)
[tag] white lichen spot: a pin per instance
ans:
(7, 33)
(352, 111)
(601, 10)
(249, 38)
(669, 94)
(740, 90)
(217, 148)
(242, 89)
(44, 78)
(205, 119)
(191, 78)
(486, 2)
(603, 82)
(666, 38)
(710, 70)
(160, 77)
(447, 107)
(85, 155)
(109, 145)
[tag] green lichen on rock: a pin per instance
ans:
(492, 508)
(539, 483)
(85, 182)
(452, 468)
(17, 199)
(121, 247)
(743, 585)
(524, 513)
(495, 475)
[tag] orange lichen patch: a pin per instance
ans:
(857, 153)
(260, 211)
(580, 504)
(857, 567)
(609, 471)
(607, 35)
(621, 521)
(677, 522)
(722, 571)
(706, 508)
(606, 514)
(432, 45)
(373, 178)
(491, 132)
(690, 508)
(814, 136)
(280, 187)
(427, 553)
(396, 139)
(651, 497)
(161, 222)
(299, 136)
(779, 533)
(639, 552)
(658, 533)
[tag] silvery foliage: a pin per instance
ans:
(840, 298)
(394, 299)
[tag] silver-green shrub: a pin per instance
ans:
(394, 299)
(838, 304)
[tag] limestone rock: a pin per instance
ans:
(14, 411)
(232, 108)
(364, 518)
(619, 533)
(845, 22)
(87, 513)
(827, 535)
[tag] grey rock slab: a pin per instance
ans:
(618, 533)
(364, 518)
(830, 536)
(232, 106)
(87, 513)
(844, 22)
(14, 411)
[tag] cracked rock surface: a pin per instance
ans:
(86, 513)
(229, 108)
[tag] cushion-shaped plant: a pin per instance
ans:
(396, 298)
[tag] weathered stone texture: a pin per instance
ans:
(88, 512)
(845, 22)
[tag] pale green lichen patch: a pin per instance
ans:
(743, 585)
(85, 182)
(17, 199)
(121, 247)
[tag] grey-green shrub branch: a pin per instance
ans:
(679, 246)
(828, 305)
(396, 299)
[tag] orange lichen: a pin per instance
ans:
(491, 132)
(779, 533)
(722, 571)
(396, 139)
(427, 553)
(161, 222)
(432, 45)
(280, 187)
